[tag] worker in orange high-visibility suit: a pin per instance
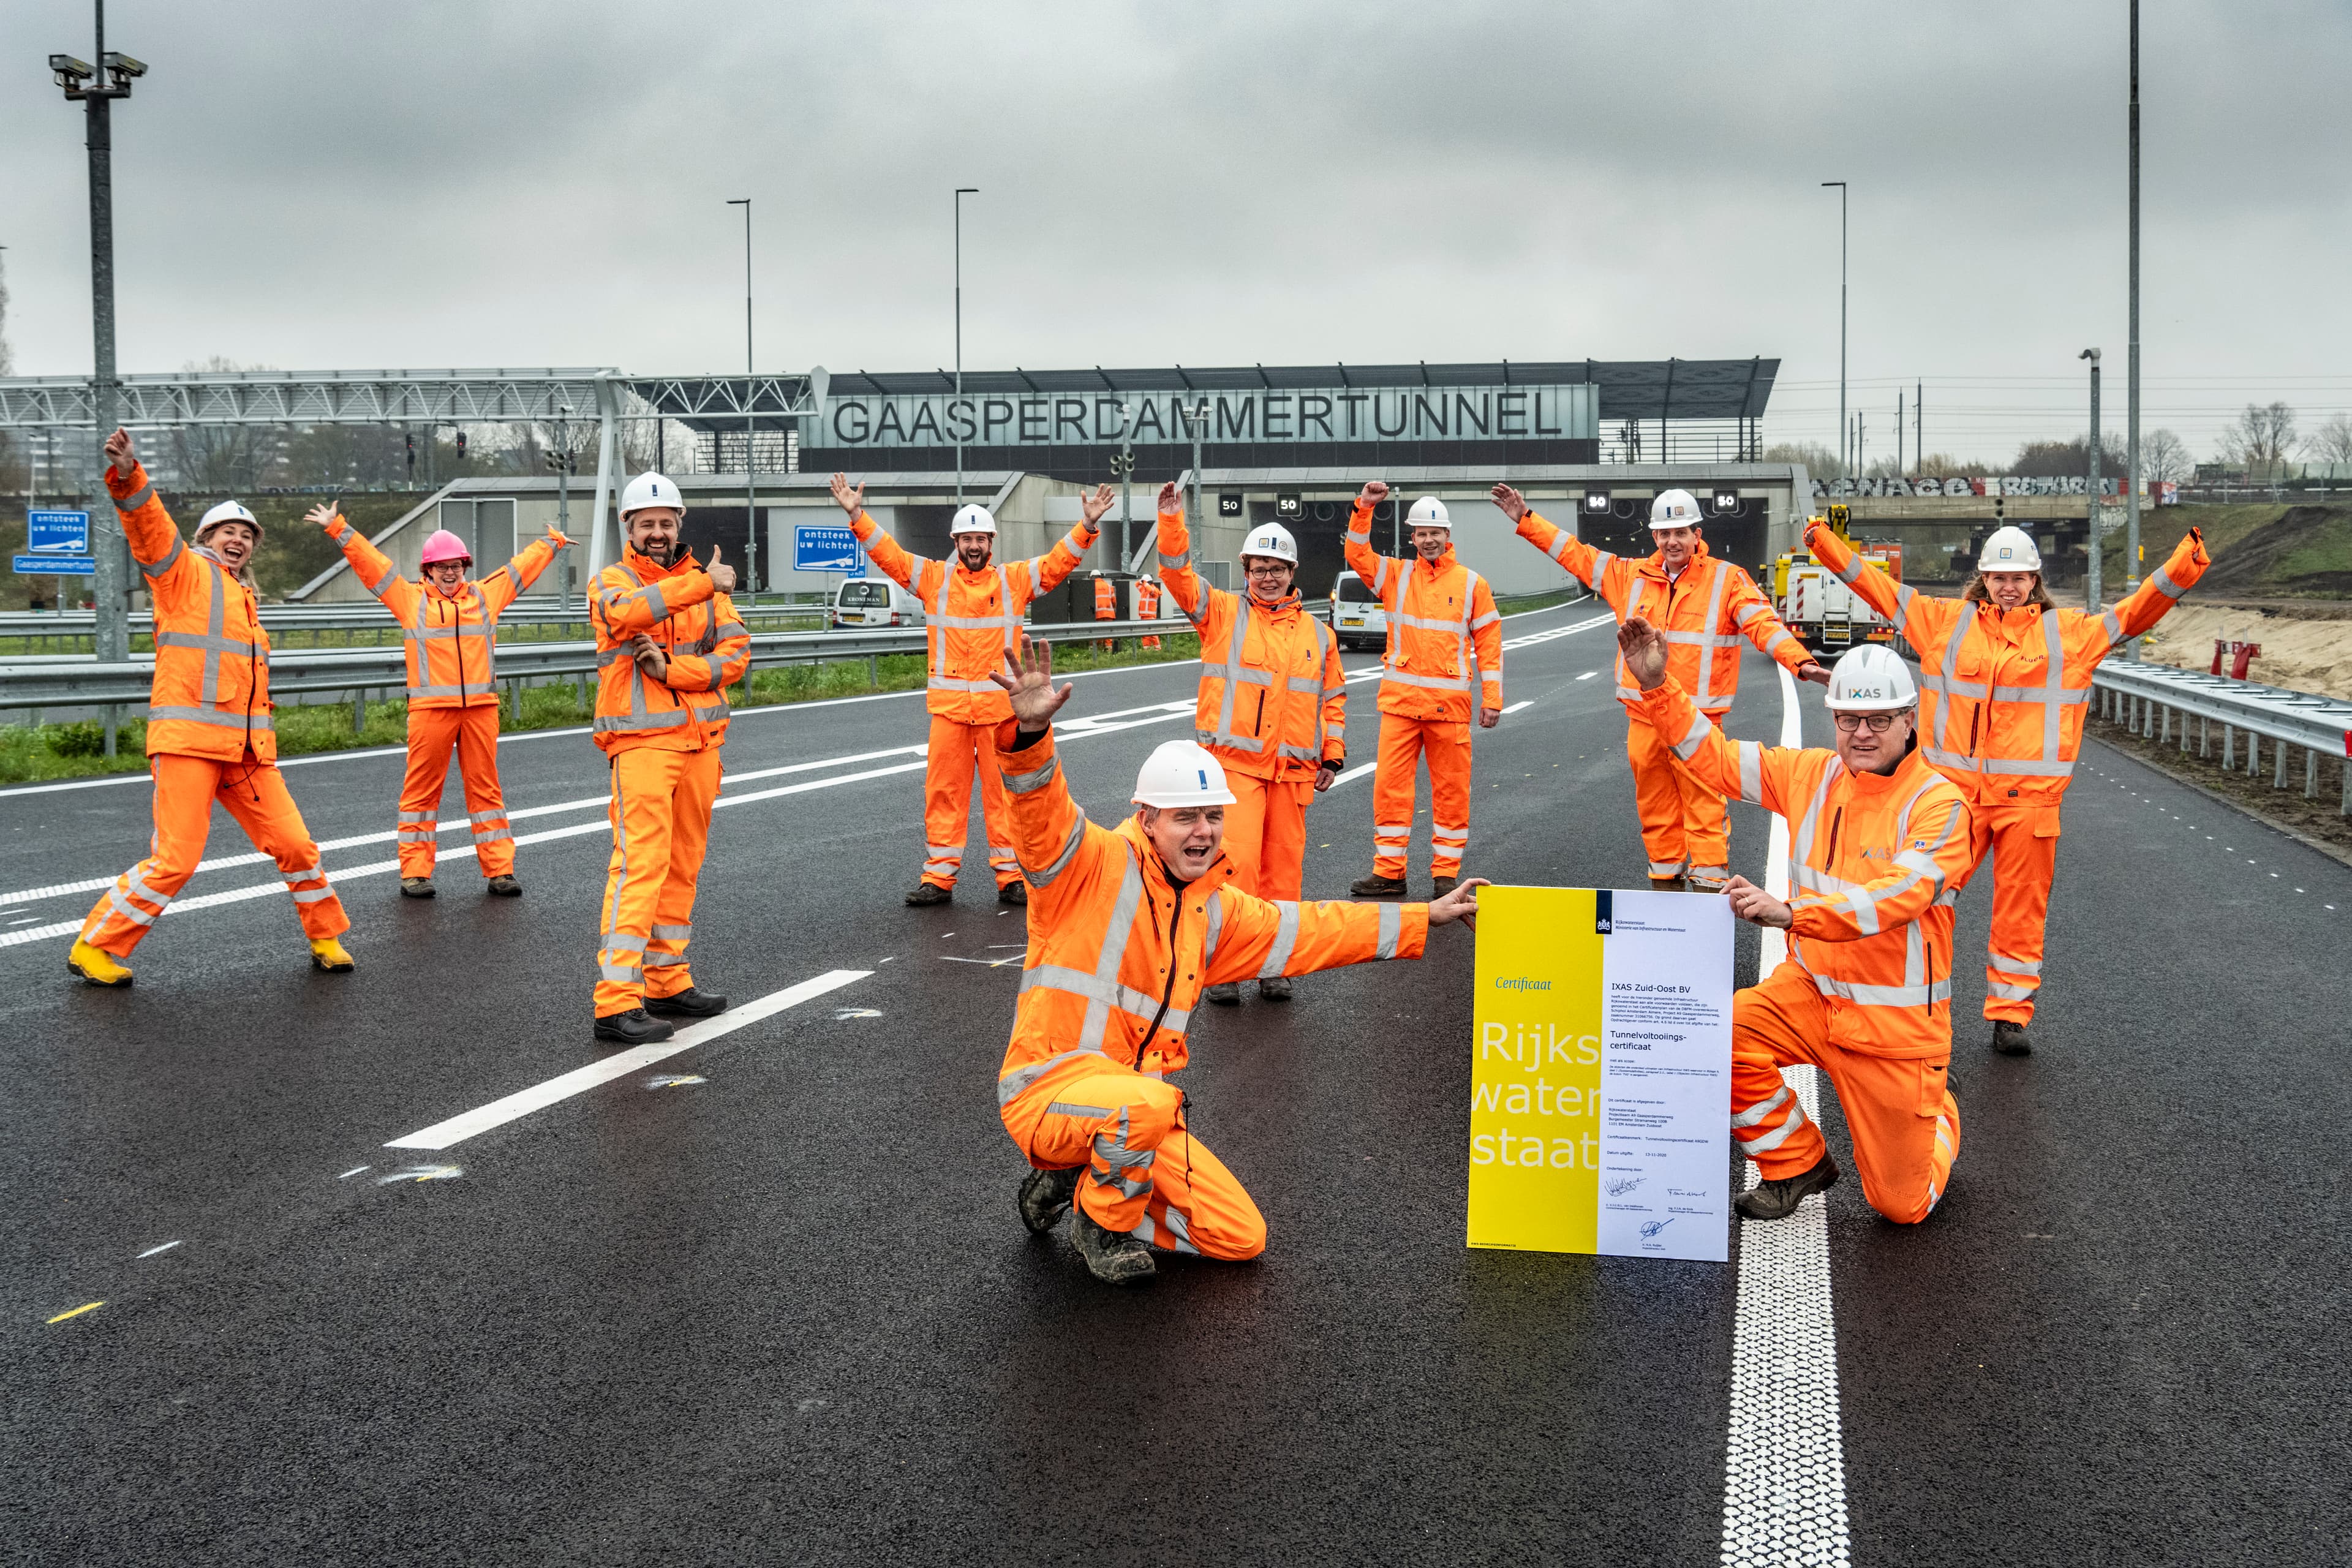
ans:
(451, 628)
(1147, 608)
(1106, 608)
(2006, 678)
(1703, 605)
(1879, 845)
(973, 610)
(209, 729)
(1273, 707)
(1126, 926)
(668, 643)
(1442, 619)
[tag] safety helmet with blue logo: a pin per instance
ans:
(1181, 773)
(1676, 509)
(1272, 540)
(650, 489)
(2008, 549)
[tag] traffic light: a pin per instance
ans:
(408, 439)
(461, 445)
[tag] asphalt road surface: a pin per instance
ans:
(784, 1309)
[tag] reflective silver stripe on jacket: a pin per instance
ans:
(1285, 938)
(1885, 995)
(1751, 771)
(2164, 584)
(1694, 736)
(1392, 930)
(137, 498)
(217, 717)
(1030, 783)
(1041, 877)
(157, 569)
(1710, 639)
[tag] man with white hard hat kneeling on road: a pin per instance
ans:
(1879, 847)
(1126, 927)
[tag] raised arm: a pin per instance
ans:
(724, 665)
(1192, 595)
(1382, 574)
(369, 564)
(1589, 566)
(500, 588)
(154, 537)
(1048, 571)
(2151, 601)
(1051, 837)
(1740, 770)
(899, 565)
(1751, 613)
(1925, 621)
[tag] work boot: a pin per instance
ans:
(927, 893)
(1229, 995)
(2009, 1038)
(1013, 892)
(1113, 1256)
(687, 1004)
(635, 1028)
(417, 887)
(1378, 887)
(1440, 886)
(1274, 988)
(97, 966)
(1709, 878)
(503, 885)
(1045, 1198)
(1778, 1200)
(327, 953)
(1668, 884)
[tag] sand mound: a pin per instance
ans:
(2304, 655)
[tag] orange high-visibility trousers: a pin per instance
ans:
(1265, 834)
(473, 731)
(254, 794)
(1143, 1171)
(1403, 744)
(1683, 821)
(1905, 1123)
(957, 752)
(2023, 841)
(661, 825)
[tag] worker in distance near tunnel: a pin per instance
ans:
(1879, 842)
(1126, 925)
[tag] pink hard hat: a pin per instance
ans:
(444, 546)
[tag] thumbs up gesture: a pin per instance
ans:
(721, 577)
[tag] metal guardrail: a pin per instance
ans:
(2158, 700)
(69, 683)
(357, 615)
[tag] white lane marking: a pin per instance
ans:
(1784, 1467)
(354, 1171)
(153, 1250)
(1588, 675)
(498, 1113)
(1523, 702)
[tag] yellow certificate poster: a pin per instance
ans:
(1601, 1073)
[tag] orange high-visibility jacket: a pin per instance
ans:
(1438, 614)
(1873, 860)
(1703, 612)
(1119, 953)
(1274, 701)
(2004, 693)
(211, 693)
(709, 650)
(1106, 600)
(1147, 600)
(974, 617)
(452, 638)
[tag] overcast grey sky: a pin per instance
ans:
(324, 184)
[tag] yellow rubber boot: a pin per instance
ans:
(327, 953)
(98, 966)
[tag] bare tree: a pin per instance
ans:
(2331, 442)
(1821, 463)
(2064, 459)
(221, 458)
(2261, 439)
(2164, 457)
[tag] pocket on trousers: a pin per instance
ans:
(2046, 822)
(1934, 1077)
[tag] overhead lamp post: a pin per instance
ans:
(962, 192)
(108, 587)
(564, 461)
(2131, 372)
(1196, 420)
(1124, 467)
(2093, 594)
(1841, 191)
(751, 400)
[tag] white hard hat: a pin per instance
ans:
(1182, 772)
(227, 512)
(650, 489)
(2009, 549)
(1271, 539)
(972, 518)
(1429, 512)
(1870, 680)
(1676, 509)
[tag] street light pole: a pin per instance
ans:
(2091, 593)
(110, 637)
(2131, 417)
(751, 400)
(962, 192)
(1841, 191)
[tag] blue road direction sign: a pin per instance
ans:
(55, 565)
(57, 533)
(816, 548)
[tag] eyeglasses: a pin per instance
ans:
(1269, 569)
(1879, 724)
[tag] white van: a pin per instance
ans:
(1357, 618)
(872, 602)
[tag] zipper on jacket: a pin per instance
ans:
(1168, 992)
(1836, 817)
(1257, 725)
